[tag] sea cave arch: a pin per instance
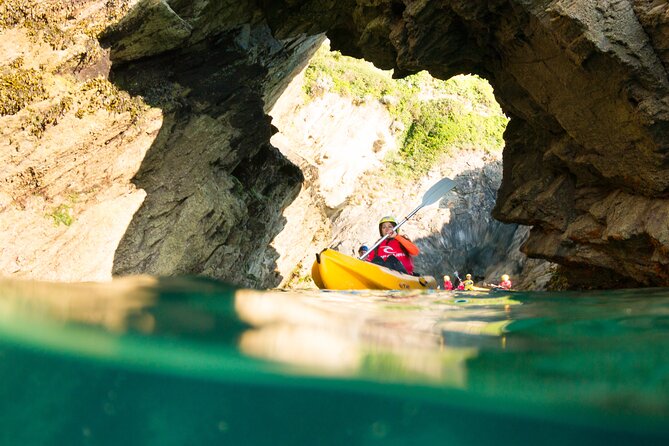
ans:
(584, 83)
(371, 145)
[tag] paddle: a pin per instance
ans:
(433, 194)
(458, 277)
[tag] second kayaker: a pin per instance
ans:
(396, 251)
(448, 285)
(506, 282)
(468, 283)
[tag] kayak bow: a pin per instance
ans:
(336, 271)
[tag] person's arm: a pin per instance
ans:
(410, 247)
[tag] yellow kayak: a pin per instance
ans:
(333, 270)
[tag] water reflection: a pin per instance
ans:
(383, 336)
(597, 354)
(380, 335)
(112, 305)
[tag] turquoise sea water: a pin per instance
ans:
(190, 361)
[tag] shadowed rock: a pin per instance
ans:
(584, 84)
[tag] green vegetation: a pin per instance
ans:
(40, 18)
(346, 76)
(38, 122)
(438, 116)
(32, 14)
(438, 128)
(62, 215)
(102, 94)
(59, 24)
(53, 20)
(64, 212)
(297, 280)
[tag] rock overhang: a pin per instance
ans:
(584, 84)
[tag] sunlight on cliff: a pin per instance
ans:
(369, 145)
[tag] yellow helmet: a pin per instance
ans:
(505, 277)
(447, 278)
(386, 219)
(468, 276)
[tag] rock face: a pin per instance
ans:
(215, 186)
(585, 86)
(198, 189)
(176, 178)
(458, 233)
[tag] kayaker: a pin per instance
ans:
(394, 252)
(363, 249)
(448, 285)
(468, 284)
(505, 283)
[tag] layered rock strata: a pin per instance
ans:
(584, 84)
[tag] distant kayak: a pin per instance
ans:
(477, 288)
(489, 289)
(333, 270)
(503, 290)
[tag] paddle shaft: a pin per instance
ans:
(433, 194)
(362, 257)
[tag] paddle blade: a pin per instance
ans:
(437, 191)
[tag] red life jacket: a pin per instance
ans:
(448, 285)
(392, 247)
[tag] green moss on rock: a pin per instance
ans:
(55, 21)
(439, 117)
(99, 93)
(39, 121)
(19, 87)
(62, 214)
